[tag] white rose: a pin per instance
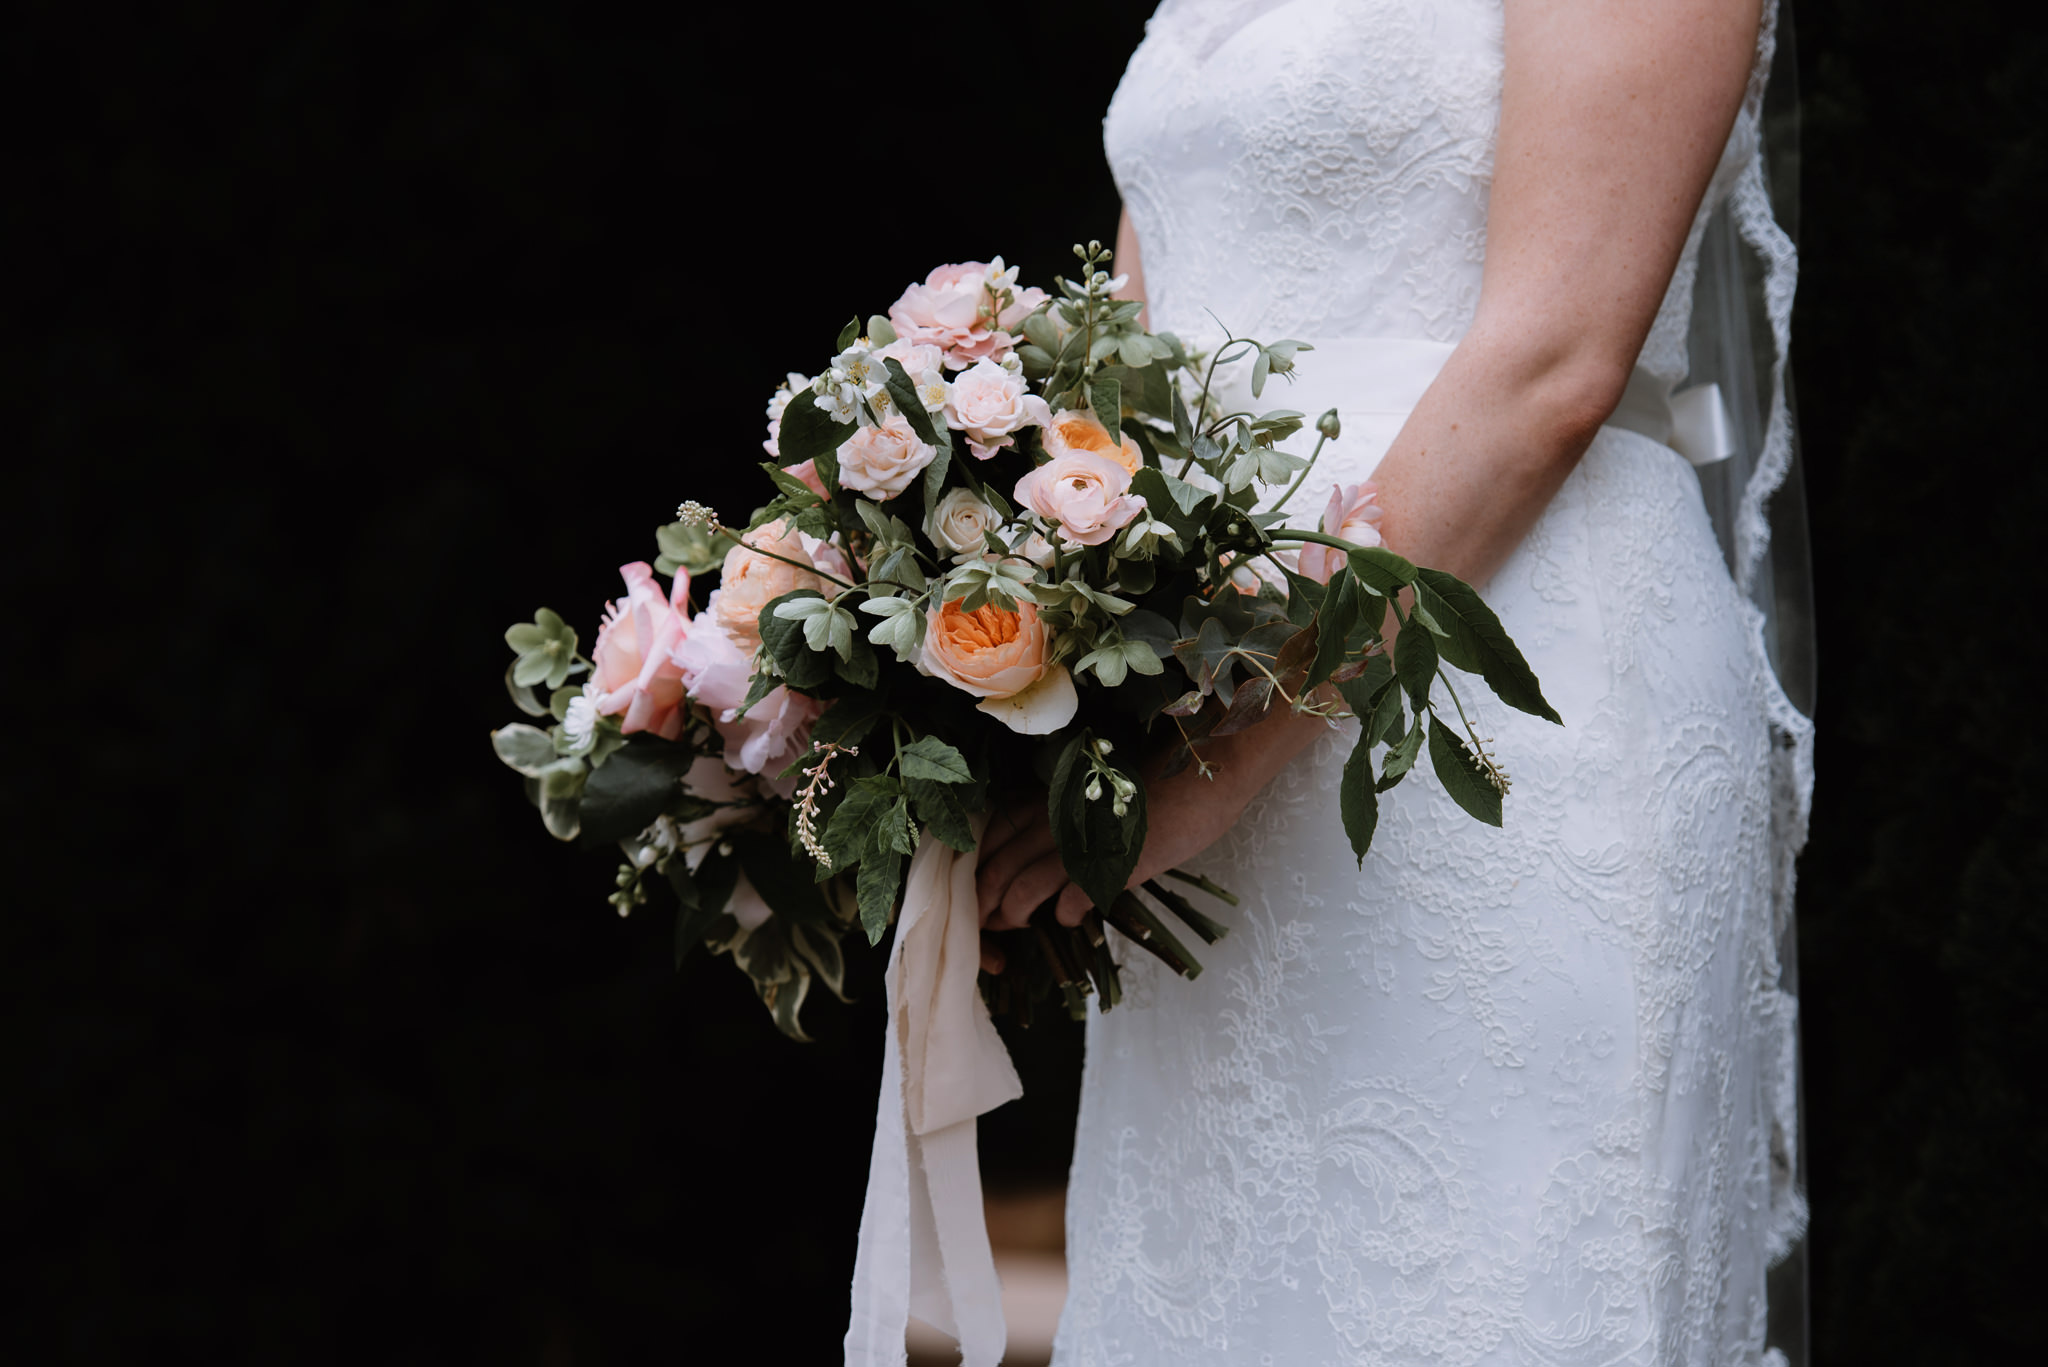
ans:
(958, 522)
(988, 404)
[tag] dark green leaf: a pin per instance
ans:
(846, 721)
(1415, 662)
(1333, 625)
(848, 335)
(702, 896)
(1402, 757)
(847, 837)
(893, 833)
(880, 875)
(636, 786)
(931, 758)
(1098, 849)
(859, 668)
(943, 807)
(1105, 397)
(903, 391)
(783, 638)
(1473, 639)
(1380, 570)
(1464, 778)
(1356, 800)
(808, 433)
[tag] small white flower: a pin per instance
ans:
(933, 391)
(580, 723)
(1000, 277)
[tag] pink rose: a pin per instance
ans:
(957, 308)
(1086, 494)
(1354, 515)
(988, 404)
(632, 670)
(774, 730)
(1003, 657)
(881, 461)
(749, 582)
(1077, 429)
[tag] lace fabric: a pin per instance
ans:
(1516, 1096)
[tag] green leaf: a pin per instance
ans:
(880, 332)
(1105, 398)
(808, 433)
(702, 896)
(636, 786)
(1333, 624)
(784, 641)
(847, 721)
(1380, 569)
(943, 808)
(848, 335)
(1356, 800)
(689, 548)
(1464, 778)
(846, 838)
(1175, 502)
(1415, 663)
(1098, 849)
(818, 945)
(880, 875)
(1402, 757)
(903, 391)
(524, 748)
(1473, 639)
(522, 694)
(931, 758)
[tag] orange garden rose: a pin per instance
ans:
(750, 582)
(1002, 656)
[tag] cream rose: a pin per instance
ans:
(1079, 430)
(958, 522)
(1086, 494)
(632, 672)
(1001, 656)
(749, 582)
(881, 461)
(1353, 514)
(989, 404)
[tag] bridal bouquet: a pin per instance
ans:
(1012, 537)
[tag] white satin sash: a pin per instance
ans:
(923, 1239)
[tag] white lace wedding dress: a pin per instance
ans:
(1505, 1096)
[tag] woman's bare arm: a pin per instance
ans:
(1613, 115)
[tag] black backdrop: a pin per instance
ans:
(339, 340)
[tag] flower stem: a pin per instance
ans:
(1302, 478)
(733, 537)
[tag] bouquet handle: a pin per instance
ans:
(923, 1239)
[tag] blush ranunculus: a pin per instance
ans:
(989, 405)
(749, 582)
(1003, 657)
(947, 311)
(631, 669)
(882, 461)
(1086, 494)
(1079, 430)
(1353, 513)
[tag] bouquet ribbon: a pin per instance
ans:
(923, 1239)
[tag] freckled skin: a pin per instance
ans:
(1613, 115)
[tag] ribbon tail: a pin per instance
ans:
(881, 1269)
(954, 1286)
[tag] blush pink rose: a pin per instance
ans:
(1079, 430)
(774, 731)
(749, 582)
(1086, 494)
(955, 310)
(632, 670)
(882, 461)
(989, 405)
(1353, 514)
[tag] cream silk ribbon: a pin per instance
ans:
(923, 1240)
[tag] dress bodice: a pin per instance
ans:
(1320, 169)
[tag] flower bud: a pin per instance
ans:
(1094, 789)
(1103, 748)
(1328, 425)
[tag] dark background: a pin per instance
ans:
(339, 340)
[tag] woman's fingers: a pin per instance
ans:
(991, 955)
(1011, 820)
(992, 879)
(1074, 905)
(1028, 891)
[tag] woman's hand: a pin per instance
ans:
(1186, 814)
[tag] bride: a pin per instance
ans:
(1498, 1096)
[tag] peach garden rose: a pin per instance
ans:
(749, 582)
(1079, 430)
(1002, 656)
